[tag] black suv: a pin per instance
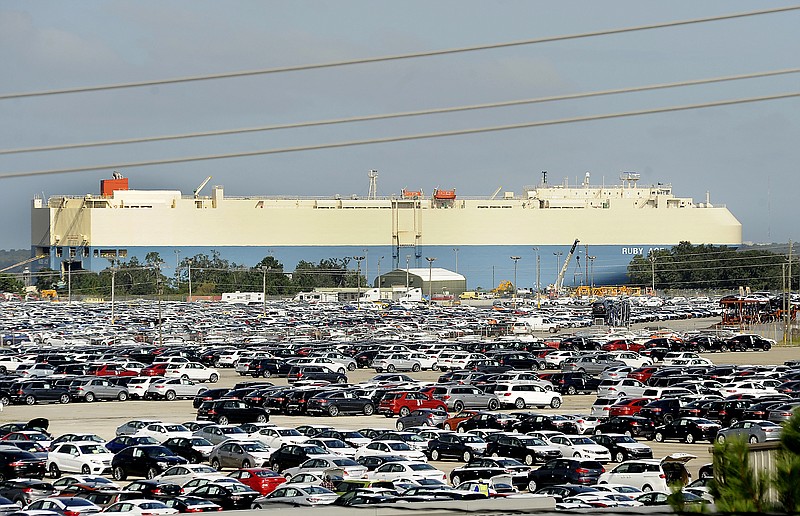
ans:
(565, 471)
(661, 410)
(534, 422)
(226, 411)
(143, 460)
(572, 382)
(266, 367)
(459, 446)
(524, 448)
(298, 373)
(31, 391)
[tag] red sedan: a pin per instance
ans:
(262, 480)
(643, 373)
(622, 345)
(155, 369)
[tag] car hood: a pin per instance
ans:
(678, 457)
(38, 423)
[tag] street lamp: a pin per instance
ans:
(189, 266)
(177, 258)
(455, 250)
(516, 289)
(430, 278)
(358, 280)
(408, 257)
(591, 272)
(536, 250)
(378, 277)
(653, 269)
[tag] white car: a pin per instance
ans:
(631, 358)
(347, 362)
(327, 363)
(521, 395)
(670, 357)
(193, 371)
(335, 446)
(140, 508)
(86, 457)
(754, 388)
(650, 474)
(410, 469)
(426, 361)
(277, 436)
(138, 385)
(390, 448)
(163, 431)
(580, 446)
(182, 473)
(621, 388)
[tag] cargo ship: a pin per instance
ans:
(527, 233)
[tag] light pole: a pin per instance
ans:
(591, 273)
(408, 257)
(189, 270)
(177, 258)
(538, 270)
(653, 269)
(358, 280)
(378, 277)
(455, 250)
(264, 291)
(430, 278)
(159, 290)
(516, 289)
(113, 289)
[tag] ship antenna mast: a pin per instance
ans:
(373, 184)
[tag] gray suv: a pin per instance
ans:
(459, 397)
(91, 389)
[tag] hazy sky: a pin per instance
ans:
(747, 155)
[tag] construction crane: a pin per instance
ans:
(202, 185)
(560, 278)
(495, 193)
(24, 262)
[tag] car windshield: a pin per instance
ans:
(232, 430)
(316, 490)
(266, 473)
(75, 501)
(472, 439)
(336, 444)
(254, 447)
(399, 446)
(158, 451)
(625, 439)
(199, 441)
(152, 505)
(581, 440)
(93, 449)
(316, 450)
(204, 469)
(176, 428)
(345, 462)
(509, 462)
(236, 487)
(532, 441)
(421, 467)
(287, 432)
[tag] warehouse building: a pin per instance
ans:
(437, 282)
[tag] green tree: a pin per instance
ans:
(9, 283)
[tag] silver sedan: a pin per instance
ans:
(754, 431)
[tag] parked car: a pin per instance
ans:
(402, 403)
(752, 431)
(193, 449)
(296, 494)
(263, 480)
(228, 495)
(192, 371)
(422, 417)
(173, 388)
(650, 474)
(308, 372)
(93, 389)
(67, 505)
(461, 446)
(31, 392)
(121, 442)
(523, 395)
(460, 397)
(143, 460)
(239, 454)
(16, 463)
(524, 448)
(623, 447)
(225, 411)
(565, 471)
(632, 426)
(688, 429)
(88, 458)
(338, 402)
(484, 468)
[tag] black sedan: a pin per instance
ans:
(623, 447)
(535, 422)
(193, 449)
(192, 504)
(522, 447)
(338, 402)
(153, 489)
(144, 461)
(227, 495)
(688, 429)
(292, 455)
(486, 420)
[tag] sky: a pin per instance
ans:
(745, 156)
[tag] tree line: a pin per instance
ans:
(709, 266)
(210, 275)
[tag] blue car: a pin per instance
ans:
(123, 441)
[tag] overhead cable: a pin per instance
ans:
(396, 57)
(389, 139)
(432, 111)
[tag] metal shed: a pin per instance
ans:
(437, 282)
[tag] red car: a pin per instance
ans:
(643, 373)
(262, 480)
(629, 407)
(451, 423)
(622, 345)
(110, 370)
(155, 370)
(403, 403)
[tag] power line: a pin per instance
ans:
(433, 111)
(396, 57)
(390, 139)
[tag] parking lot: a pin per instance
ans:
(103, 418)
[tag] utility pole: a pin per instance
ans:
(430, 279)
(264, 291)
(516, 289)
(408, 257)
(455, 250)
(358, 280)
(159, 290)
(189, 265)
(378, 277)
(591, 272)
(177, 257)
(113, 289)
(653, 266)
(69, 283)
(787, 296)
